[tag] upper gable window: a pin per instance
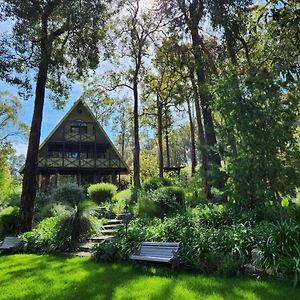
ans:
(78, 129)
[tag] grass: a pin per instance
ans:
(55, 277)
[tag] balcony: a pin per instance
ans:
(67, 162)
(76, 137)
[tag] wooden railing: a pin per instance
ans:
(76, 137)
(67, 162)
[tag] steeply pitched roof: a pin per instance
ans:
(76, 104)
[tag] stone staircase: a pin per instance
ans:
(108, 232)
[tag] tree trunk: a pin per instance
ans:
(214, 160)
(192, 133)
(29, 185)
(201, 136)
(159, 136)
(167, 138)
(207, 115)
(123, 144)
(136, 154)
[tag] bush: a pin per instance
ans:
(281, 250)
(170, 199)
(43, 238)
(8, 220)
(146, 206)
(69, 193)
(101, 192)
(153, 183)
(120, 200)
(161, 202)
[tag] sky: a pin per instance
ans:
(51, 116)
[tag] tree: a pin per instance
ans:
(258, 97)
(55, 41)
(10, 125)
(186, 16)
(136, 36)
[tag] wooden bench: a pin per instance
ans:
(158, 252)
(11, 244)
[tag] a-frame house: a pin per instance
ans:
(79, 150)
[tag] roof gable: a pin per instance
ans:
(85, 115)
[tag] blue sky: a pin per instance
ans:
(51, 116)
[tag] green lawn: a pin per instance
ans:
(54, 277)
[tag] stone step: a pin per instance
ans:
(111, 226)
(86, 246)
(80, 253)
(113, 221)
(109, 232)
(101, 239)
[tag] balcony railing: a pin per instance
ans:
(76, 137)
(66, 162)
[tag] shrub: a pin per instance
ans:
(101, 192)
(153, 183)
(160, 202)
(8, 220)
(170, 199)
(120, 200)
(43, 239)
(69, 193)
(281, 250)
(146, 206)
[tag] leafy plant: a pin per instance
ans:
(101, 192)
(8, 220)
(42, 239)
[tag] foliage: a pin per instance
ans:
(78, 224)
(43, 239)
(120, 200)
(145, 206)
(8, 220)
(153, 183)
(170, 199)
(68, 193)
(101, 192)
(201, 247)
(281, 251)
(258, 99)
(148, 161)
(10, 124)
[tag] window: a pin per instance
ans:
(55, 151)
(79, 129)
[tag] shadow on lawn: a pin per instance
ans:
(56, 277)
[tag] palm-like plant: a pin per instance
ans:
(78, 223)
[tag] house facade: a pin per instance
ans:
(78, 150)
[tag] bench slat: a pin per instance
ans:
(160, 244)
(158, 252)
(150, 258)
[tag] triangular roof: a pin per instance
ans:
(76, 103)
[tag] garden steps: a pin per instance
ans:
(109, 231)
